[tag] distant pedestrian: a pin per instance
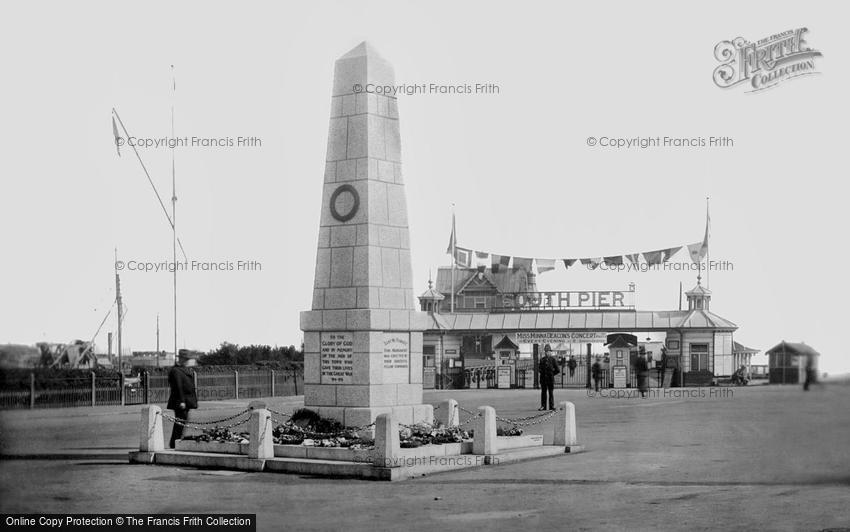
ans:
(642, 369)
(182, 397)
(547, 368)
(572, 364)
(596, 372)
(662, 367)
(811, 376)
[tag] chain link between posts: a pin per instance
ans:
(518, 421)
(205, 425)
(528, 421)
(278, 413)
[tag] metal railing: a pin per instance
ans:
(149, 388)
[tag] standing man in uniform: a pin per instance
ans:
(182, 397)
(548, 368)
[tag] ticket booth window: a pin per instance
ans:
(428, 354)
(699, 357)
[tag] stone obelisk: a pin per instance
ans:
(363, 336)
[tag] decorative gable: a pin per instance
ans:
(478, 284)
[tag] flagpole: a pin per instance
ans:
(454, 258)
(707, 247)
(174, 206)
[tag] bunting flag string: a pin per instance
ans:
(545, 265)
(463, 257)
(499, 261)
(522, 263)
(481, 260)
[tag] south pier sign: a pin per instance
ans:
(765, 63)
(534, 301)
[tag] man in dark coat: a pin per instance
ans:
(182, 397)
(642, 369)
(572, 364)
(596, 372)
(548, 368)
(811, 374)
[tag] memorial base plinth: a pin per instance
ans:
(356, 417)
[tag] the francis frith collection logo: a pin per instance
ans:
(765, 63)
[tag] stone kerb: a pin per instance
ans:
(447, 413)
(484, 439)
(150, 429)
(387, 447)
(260, 443)
(565, 425)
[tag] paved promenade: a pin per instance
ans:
(761, 457)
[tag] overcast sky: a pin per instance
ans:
(516, 164)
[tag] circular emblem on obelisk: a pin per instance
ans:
(344, 203)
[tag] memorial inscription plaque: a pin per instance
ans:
(337, 358)
(396, 358)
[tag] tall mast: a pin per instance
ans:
(707, 246)
(174, 206)
(120, 309)
(157, 340)
(454, 259)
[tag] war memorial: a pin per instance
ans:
(363, 337)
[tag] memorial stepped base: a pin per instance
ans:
(385, 461)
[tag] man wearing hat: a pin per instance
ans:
(182, 397)
(548, 368)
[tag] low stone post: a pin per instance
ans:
(565, 425)
(260, 429)
(484, 440)
(447, 413)
(386, 441)
(150, 429)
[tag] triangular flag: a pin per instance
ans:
(499, 261)
(117, 137)
(482, 260)
(452, 238)
(463, 257)
(613, 261)
(669, 252)
(634, 258)
(703, 251)
(523, 263)
(545, 265)
(697, 251)
(592, 263)
(654, 258)
(569, 262)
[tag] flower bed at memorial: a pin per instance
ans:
(424, 434)
(308, 429)
(219, 435)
